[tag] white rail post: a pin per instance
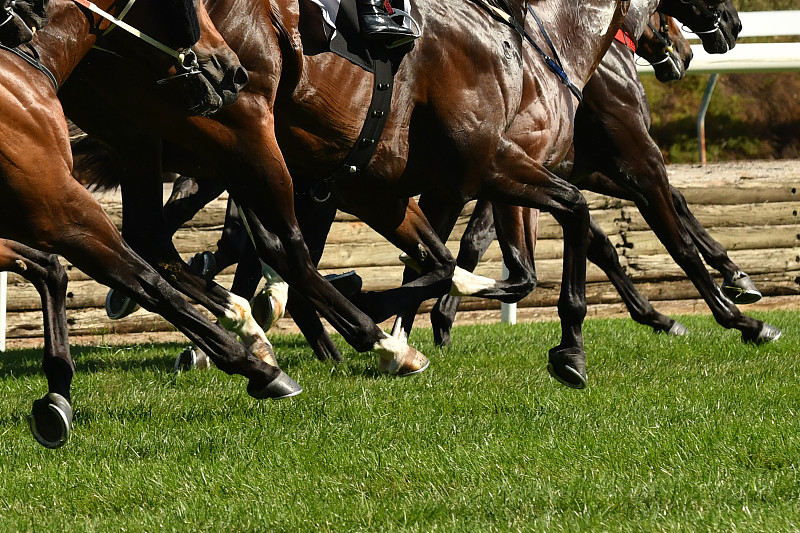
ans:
(508, 312)
(3, 292)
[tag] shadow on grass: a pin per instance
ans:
(89, 359)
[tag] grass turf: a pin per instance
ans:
(673, 434)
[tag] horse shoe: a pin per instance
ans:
(51, 420)
(568, 367)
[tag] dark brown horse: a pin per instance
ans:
(60, 216)
(624, 162)
(440, 101)
(19, 19)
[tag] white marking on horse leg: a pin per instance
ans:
(398, 358)
(238, 318)
(397, 330)
(468, 284)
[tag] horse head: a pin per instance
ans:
(198, 67)
(666, 49)
(715, 22)
(20, 19)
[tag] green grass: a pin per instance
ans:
(673, 434)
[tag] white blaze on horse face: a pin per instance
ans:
(595, 20)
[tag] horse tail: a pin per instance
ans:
(94, 164)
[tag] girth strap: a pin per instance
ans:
(377, 115)
(32, 58)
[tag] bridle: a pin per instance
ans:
(187, 59)
(9, 9)
(662, 34)
(708, 13)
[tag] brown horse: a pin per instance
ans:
(62, 217)
(614, 155)
(440, 133)
(19, 19)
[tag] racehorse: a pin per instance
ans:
(308, 127)
(614, 155)
(20, 19)
(317, 109)
(62, 217)
(662, 44)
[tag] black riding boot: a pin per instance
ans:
(377, 25)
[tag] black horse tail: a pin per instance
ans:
(95, 165)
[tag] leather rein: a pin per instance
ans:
(187, 60)
(552, 62)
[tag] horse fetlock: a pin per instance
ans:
(397, 358)
(262, 349)
(466, 283)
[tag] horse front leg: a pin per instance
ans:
(51, 418)
(517, 179)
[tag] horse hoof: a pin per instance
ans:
(204, 264)
(118, 305)
(767, 334)
(568, 367)
(190, 359)
(267, 309)
(741, 289)
(347, 283)
(412, 362)
(51, 420)
(678, 330)
(281, 387)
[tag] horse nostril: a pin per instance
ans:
(240, 77)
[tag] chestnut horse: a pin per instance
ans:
(441, 133)
(62, 217)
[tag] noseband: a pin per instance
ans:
(707, 12)
(662, 34)
(9, 9)
(187, 60)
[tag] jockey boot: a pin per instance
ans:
(377, 25)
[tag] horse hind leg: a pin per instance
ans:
(736, 284)
(50, 420)
(602, 253)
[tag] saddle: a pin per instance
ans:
(332, 26)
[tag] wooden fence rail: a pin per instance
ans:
(750, 207)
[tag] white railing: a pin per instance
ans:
(746, 57)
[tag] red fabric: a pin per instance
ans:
(625, 39)
(388, 7)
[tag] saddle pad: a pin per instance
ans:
(332, 25)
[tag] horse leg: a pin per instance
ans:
(75, 226)
(51, 418)
(602, 253)
(736, 284)
(477, 237)
(287, 253)
(518, 179)
(442, 215)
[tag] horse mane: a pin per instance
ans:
(515, 8)
(94, 164)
